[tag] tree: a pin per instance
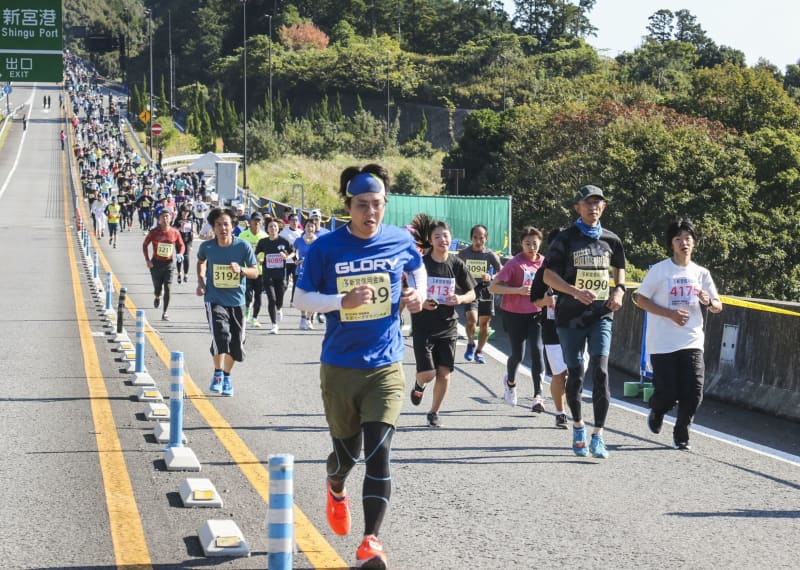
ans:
(661, 26)
(551, 21)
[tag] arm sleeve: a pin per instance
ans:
(316, 302)
(418, 279)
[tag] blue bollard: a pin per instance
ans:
(87, 249)
(95, 273)
(280, 527)
(109, 286)
(139, 342)
(176, 400)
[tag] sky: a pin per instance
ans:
(761, 28)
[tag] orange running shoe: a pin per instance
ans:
(370, 554)
(338, 512)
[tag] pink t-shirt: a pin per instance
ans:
(518, 271)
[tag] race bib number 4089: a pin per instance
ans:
(381, 305)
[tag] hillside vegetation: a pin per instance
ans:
(678, 127)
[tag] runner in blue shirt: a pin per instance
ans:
(355, 275)
(222, 265)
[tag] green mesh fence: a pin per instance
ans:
(460, 212)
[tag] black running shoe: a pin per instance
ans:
(156, 302)
(416, 394)
(433, 420)
(561, 421)
(655, 421)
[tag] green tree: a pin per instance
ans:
(552, 22)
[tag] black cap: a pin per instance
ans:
(587, 192)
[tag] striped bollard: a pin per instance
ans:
(88, 247)
(95, 272)
(139, 342)
(109, 286)
(176, 400)
(123, 294)
(140, 376)
(280, 519)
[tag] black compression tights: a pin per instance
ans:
(377, 488)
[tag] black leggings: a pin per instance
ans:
(522, 327)
(252, 294)
(377, 489)
(183, 266)
(275, 288)
(601, 396)
(161, 273)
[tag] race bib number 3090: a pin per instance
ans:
(381, 305)
(595, 280)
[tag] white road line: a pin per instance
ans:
(19, 150)
(502, 358)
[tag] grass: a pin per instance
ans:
(310, 183)
(306, 182)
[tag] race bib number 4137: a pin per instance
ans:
(381, 305)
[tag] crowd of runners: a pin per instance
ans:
(558, 296)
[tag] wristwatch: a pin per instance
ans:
(620, 286)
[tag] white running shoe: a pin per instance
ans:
(274, 329)
(510, 394)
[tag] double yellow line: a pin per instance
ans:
(127, 534)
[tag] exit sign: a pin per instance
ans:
(31, 41)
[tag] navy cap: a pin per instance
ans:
(587, 192)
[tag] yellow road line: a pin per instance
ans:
(319, 552)
(127, 533)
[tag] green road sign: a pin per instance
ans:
(31, 40)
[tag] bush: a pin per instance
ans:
(416, 148)
(406, 182)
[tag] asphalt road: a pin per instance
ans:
(496, 487)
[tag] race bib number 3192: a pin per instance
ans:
(224, 277)
(381, 305)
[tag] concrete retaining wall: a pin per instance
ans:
(756, 365)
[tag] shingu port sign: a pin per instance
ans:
(31, 41)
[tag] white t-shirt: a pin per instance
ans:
(675, 287)
(291, 236)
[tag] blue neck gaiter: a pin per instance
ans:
(589, 231)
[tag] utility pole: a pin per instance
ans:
(171, 70)
(244, 58)
(150, 110)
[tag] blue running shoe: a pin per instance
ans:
(470, 353)
(227, 387)
(597, 447)
(579, 442)
(216, 384)
(479, 358)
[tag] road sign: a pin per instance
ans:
(31, 41)
(7, 89)
(144, 116)
(156, 128)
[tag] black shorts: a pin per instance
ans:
(432, 352)
(227, 330)
(161, 272)
(483, 303)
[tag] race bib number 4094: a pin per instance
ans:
(381, 305)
